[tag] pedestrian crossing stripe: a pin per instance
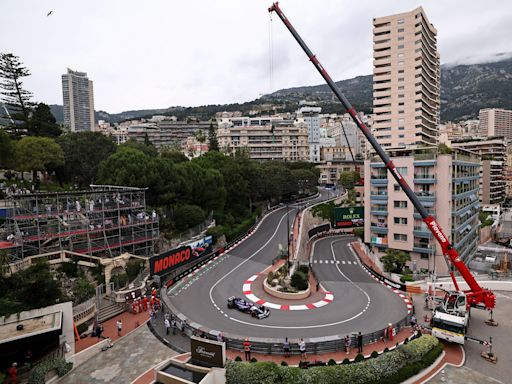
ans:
(334, 262)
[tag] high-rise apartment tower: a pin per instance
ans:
(406, 78)
(77, 92)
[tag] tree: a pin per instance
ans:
(395, 260)
(174, 156)
(149, 150)
(213, 143)
(14, 96)
(201, 138)
(83, 153)
(7, 151)
(348, 179)
(443, 149)
(43, 123)
(38, 154)
(186, 216)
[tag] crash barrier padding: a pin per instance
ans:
(391, 283)
(321, 228)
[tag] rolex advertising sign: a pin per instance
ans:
(348, 217)
(209, 353)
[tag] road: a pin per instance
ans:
(360, 303)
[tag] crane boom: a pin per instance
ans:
(476, 294)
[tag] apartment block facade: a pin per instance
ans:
(496, 122)
(265, 138)
(406, 79)
(311, 117)
(493, 152)
(448, 187)
(78, 101)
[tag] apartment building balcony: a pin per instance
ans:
(379, 211)
(430, 212)
(379, 241)
(426, 195)
(379, 179)
(424, 178)
(422, 232)
(422, 247)
(379, 228)
(379, 196)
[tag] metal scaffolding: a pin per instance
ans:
(104, 221)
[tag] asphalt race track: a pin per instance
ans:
(360, 303)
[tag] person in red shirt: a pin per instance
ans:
(145, 303)
(13, 373)
(247, 349)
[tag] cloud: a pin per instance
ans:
(162, 53)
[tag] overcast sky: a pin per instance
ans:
(161, 53)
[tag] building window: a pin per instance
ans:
(401, 46)
(396, 187)
(400, 79)
(399, 237)
(400, 104)
(402, 170)
(400, 38)
(400, 220)
(400, 55)
(400, 204)
(400, 63)
(400, 30)
(400, 71)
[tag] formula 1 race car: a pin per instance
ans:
(240, 304)
(260, 312)
(247, 307)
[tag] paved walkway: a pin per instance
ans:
(130, 357)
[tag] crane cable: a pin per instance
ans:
(270, 54)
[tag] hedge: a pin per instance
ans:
(38, 373)
(391, 367)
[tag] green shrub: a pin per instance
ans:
(82, 291)
(133, 267)
(38, 373)
(331, 362)
(345, 361)
(405, 278)
(299, 281)
(82, 328)
(388, 368)
(284, 363)
(254, 360)
(359, 357)
(119, 280)
(303, 268)
(386, 349)
(69, 268)
(270, 277)
(238, 358)
(374, 354)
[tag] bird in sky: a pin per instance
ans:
(49, 13)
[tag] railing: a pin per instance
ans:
(423, 176)
(84, 311)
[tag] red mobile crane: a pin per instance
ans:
(476, 295)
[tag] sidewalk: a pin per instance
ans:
(129, 320)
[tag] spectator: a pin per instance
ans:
(183, 324)
(119, 325)
(247, 349)
(286, 348)
(220, 337)
(13, 373)
(347, 344)
(302, 349)
(173, 325)
(359, 343)
(167, 326)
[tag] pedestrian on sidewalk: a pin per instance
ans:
(347, 344)
(99, 331)
(173, 325)
(286, 348)
(359, 343)
(302, 349)
(317, 285)
(167, 326)
(183, 324)
(152, 317)
(247, 349)
(119, 325)
(220, 337)
(413, 322)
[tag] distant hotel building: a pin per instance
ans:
(310, 116)
(447, 186)
(406, 79)
(78, 98)
(265, 138)
(496, 122)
